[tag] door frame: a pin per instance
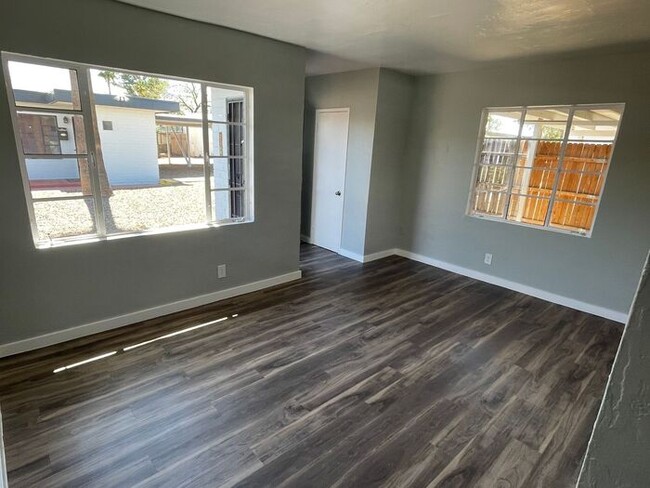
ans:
(318, 111)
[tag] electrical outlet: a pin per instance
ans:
(488, 259)
(221, 271)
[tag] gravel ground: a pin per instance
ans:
(174, 202)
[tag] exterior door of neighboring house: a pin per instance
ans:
(39, 133)
(330, 155)
(236, 152)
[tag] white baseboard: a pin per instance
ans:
(512, 285)
(380, 255)
(351, 255)
(366, 258)
(146, 314)
(305, 238)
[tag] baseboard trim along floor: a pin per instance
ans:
(138, 316)
(134, 317)
(607, 313)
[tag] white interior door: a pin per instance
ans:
(330, 155)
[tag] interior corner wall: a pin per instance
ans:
(602, 270)
(44, 291)
(392, 127)
(617, 455)
(356, 90)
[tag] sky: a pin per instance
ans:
(26, 76)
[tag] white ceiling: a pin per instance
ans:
(424, 35)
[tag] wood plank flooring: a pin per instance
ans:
(391, 373)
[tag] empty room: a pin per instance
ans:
(325, 243)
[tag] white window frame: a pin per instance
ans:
(87, 101)
(564, 141)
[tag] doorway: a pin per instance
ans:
(330, 156)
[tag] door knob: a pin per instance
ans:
(338, 194)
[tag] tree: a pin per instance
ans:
(110, 77)
(136, 85)
(189, 97)
(549, 132)
(142, 86)
(82, 147)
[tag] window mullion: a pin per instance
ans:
(206, 153)
(21, 154)
(506, 207)
(83, 81)
(560, 162)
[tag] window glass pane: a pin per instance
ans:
(498, 151)
(228, 205)
(64, 218)
(226, 140)
(545, 123)
(539, 154)
(597, 124)
(227, 173)
(527, 209)
(572, 215)
(489, 203)
(532, 181)
(226, 105)
(48, 133)
(492, 178)
(179, 142)
(173, 202)
(582, 186)
(150, 164)
(502, 123)
(586, 156)
(58, 178)
(37, 86)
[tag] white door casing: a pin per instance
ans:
(330, 156)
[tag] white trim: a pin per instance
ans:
(345, 110)
(380, 255)
(519, 287)
(146, 314)
(304, 238)
(351, 255)
(607, 313)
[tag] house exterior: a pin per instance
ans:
(127, 129)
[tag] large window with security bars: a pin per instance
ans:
(107, 152)
(544, 166)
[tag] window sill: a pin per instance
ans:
(532, 226)
(75, 241)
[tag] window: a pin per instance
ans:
(544, 166)
(106, 152)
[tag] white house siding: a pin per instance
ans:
(56, 169)
(130, 150)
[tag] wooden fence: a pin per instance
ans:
(579, 185)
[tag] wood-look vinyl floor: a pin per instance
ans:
(391, 373)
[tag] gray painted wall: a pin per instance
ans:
(48, 290)
(601, 270)
(617, 456)
(358, 91)
(392, 126)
